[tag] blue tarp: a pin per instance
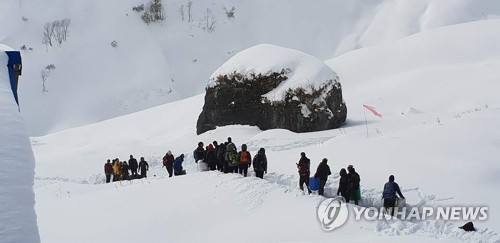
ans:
(14, 59)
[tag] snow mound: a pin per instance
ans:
(410, 111)
(17, 200)
(301, 69)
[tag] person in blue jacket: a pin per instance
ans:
(178, 170)
(389, 194)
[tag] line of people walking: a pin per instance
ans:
(225, 157)
(349, 183)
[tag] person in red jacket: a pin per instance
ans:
(168, 162)
(211, 157)
(108, 170)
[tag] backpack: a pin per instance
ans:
(244, 157)
(389, 191)
(232, 157)
(258, 162)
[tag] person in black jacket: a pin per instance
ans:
(108, 170)
(304, 166)
(199, 153)
(322, 173)
(221, 158)
(343, 189)
(353, 184)
(260, 163)
(218, 161)
(143, 167)
(132, 163)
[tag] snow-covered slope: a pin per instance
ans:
(437, 70)
(395, 19)
(444, 154)
(17, 205)
(157, 63)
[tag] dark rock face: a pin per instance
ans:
(238, 100)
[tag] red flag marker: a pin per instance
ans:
(373, 111)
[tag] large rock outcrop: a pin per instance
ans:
(273, 87)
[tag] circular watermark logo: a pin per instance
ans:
(332, 213)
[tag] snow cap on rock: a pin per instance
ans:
(302, 70)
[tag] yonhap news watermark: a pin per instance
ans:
(447, 213)
(334, 212)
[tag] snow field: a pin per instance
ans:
(441, 155)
